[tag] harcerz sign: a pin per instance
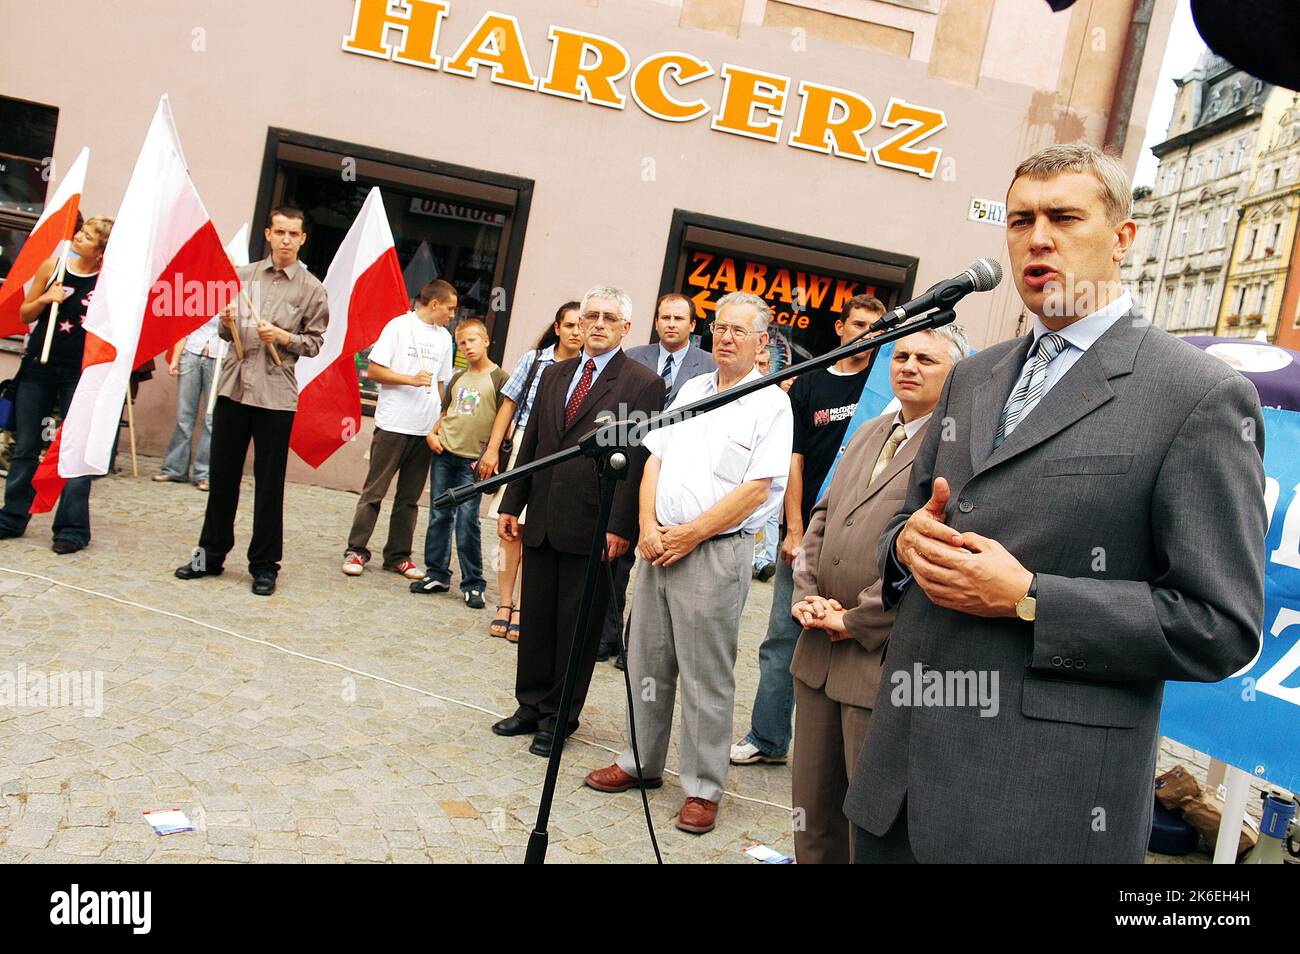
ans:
(595, 69)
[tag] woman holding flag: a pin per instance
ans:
(55, 307)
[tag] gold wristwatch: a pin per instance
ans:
(1027, 606)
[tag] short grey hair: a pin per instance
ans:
(1050, 161)
(958, 346)
(762, 310)
(609, 291)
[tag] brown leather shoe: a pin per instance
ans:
(698, 815)
(614, 779)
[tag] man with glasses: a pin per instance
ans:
(562, 509)
(710, 484)
(676, 360)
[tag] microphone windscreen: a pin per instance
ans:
(988, 274)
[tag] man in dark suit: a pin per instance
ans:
(562, 509)
(1087, 523)
(675, 360)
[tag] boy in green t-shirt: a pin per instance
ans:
(469, 407)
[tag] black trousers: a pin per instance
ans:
(551, 591)
(234, 425)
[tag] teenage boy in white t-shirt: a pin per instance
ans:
(411, 362)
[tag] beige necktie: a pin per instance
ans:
(896, 437)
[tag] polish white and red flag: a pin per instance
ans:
(365, 290)
(57, 224)
(164, 274)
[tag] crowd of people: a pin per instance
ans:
(954, 535)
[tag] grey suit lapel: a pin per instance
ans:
(1083, 389)
(989, 399)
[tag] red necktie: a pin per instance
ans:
(579, 393)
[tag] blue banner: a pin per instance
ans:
(876, 393)
(1252, 719)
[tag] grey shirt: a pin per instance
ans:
(292, 299)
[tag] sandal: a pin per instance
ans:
(501, 624)
(512, 631)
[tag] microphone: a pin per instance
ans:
(983, 275)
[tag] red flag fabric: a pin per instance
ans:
(365, 289)
(57, 224)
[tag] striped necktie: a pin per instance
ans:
(1024, 398)
(667, 375)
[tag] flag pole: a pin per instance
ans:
(270, 345)
(130, 430)
(216, 378)
(54, 306)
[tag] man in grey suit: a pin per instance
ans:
(1085, 521)
(675, 360)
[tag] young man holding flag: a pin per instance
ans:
(283, 312)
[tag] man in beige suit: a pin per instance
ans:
(837, 660)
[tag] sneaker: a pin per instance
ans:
(166, 478)
(354, 564)
(746, 752)
(427, 584)
(407, 569)
(474, 599)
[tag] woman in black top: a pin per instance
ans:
(44, 387)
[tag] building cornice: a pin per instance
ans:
(1238, 117)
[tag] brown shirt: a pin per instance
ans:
(292, 299)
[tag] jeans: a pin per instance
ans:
(448, 471)
(40, 389)
(765, 550)
(774, 701)
(191, 408)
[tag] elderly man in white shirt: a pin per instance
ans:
(709, 486)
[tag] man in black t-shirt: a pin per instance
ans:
(823, 402)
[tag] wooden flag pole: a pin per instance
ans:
(216, 377)
(270, 345)
(54, 306)
(130, 430)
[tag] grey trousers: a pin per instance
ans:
(686, 621)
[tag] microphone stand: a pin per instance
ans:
(608, 446)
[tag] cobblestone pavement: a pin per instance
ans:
(340, 720)
(321, 724)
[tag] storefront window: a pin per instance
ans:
(461, 230)
(807, 281)
(26, 143)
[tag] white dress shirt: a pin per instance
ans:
(704, 458)
(1079, 337)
